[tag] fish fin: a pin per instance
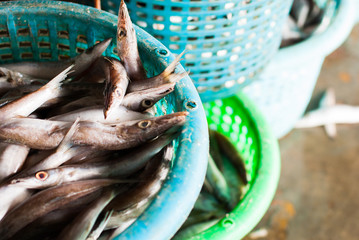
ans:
(328, 98)
(60, 78)
(96, 232)
(66, 141)
(330, 130)
(171, 68)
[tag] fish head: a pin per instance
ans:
(39, 180)
(126, 34)
(149, 128)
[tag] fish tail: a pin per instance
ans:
(171, 68)
(66, 141)
(59, 79)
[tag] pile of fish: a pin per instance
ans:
(225, 185)
(307, 18)
(81, 153)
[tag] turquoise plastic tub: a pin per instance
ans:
(284, 89)
(49, 31)
(228, 42)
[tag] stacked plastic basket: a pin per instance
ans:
(227, 42)
(49, 31)
(284, 89)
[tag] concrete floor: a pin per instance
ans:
(318, 197)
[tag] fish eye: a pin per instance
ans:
(118, 92)
(144, 124)
(42, 175)
(122, 33)
(147, 103)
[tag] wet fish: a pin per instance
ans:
(48, 70)
(220, 186)
(127, 45)
(46, 201)
(12, 157)
(229, 150)
(122, 166)
(97, 231)
(142, 100)
(128, 207)
(167, 76)
(45, 134)
(95, 114)
(81, 226)
(115, 87)
(195, 229)
(29, 103)
(10, 79)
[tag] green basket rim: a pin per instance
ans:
(257, 200)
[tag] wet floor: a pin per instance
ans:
(318, 194)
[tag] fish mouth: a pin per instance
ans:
(123, 15)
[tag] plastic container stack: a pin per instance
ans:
(284, 89)
(227, 42)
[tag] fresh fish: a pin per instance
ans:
(123, 166)
(195, 229)
(12, 157)
(142, 100)
(202, 216)
(95, 114)
(115, 88)
(29, 103)
(100, 227)
(167, 76)
(81, 226)
(127, 45)
(10, 79)
(49, 226)
(11, 196)
(82, 102)
(63, 153)
(207, 202)
(220, 186)
(127, 207)
(214, 150)
(45, 134)
(230, 151)
(46, 201)
(48, 70)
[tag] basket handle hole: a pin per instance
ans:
(227, 223)
(191, 105)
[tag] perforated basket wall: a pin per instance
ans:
(285, 87)
(51, 31)
(228, 42)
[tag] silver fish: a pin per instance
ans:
(45, 134)
(95, 114)
(129, 206)
(12, 157)
(127, 45)
(29, 103)
(81, 226)
(167, 76)
(46, 201)
(48, 70)
(122, 166)
(115, 88)
(142, 100)
(96, 232)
